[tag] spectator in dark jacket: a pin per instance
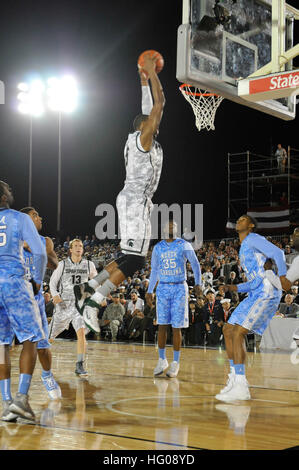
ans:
(213, 318)
(196, 330)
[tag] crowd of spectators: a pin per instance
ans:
(125, 315)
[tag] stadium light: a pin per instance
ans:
(62, 94)
(31, 99)
(62, 97)
(56, 94)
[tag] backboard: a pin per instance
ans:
(221, 42)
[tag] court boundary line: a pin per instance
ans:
(115, 435)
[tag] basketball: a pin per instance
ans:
(159, 60)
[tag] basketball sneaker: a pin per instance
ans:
(7, 415)
(239, 391)
(82, 292)
(20, 406)
(229, 384)
(161, 366)
(52, 387)
(80, 369)
(173, 369)
(90, 315)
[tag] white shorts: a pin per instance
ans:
(134, 224)
(64, 314)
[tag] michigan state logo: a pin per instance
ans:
(130, 243)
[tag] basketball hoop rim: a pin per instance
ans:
(190, 93)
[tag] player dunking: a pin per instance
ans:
(143, 160)
(255, 311)
(43, 346)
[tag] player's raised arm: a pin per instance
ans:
(31, 237)
(52, 257)
(151, 125)
(147, 100)
(271, 251)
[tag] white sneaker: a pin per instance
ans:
(161, 366)
(239, 391)
(90, 317)
(229, 384)
(173, 369)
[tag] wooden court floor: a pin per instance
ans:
(120, 406)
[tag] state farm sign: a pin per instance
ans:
(268, 87)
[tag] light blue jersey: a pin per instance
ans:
(19, 312)
(29, 260)
(30, 271)
(256, 310)
(168, 264)
(254, 251)
(15, 228)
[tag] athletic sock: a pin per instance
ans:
(231, 363)
(240, 373)
(176, 355)
(103, 291)
(80, 357)
(46, 373)
(24, 383)
(162, 353)
(99, 279)
(5, 389)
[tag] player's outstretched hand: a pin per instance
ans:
(231, 288)
(285, 283)
(149, 63)
(35, 286)
(149, 299)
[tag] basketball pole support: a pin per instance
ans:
(279, 56)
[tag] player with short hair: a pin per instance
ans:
(143, 160)
(70, 272)
(256, 310)
(168, 265)
(43, 346)
(19, 312)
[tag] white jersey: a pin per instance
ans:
(143, 169)
(293, 272)
(68, 274)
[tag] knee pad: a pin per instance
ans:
(129, 264)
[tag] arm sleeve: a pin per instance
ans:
(40, 258)
(154, 277)
(147, 100)
(189, 253)
(55, 278)
(92, 270)
(293, 272)
(271, 251)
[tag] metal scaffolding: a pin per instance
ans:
(257, 181)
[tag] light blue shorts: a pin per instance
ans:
(255, 311)
(172, 305)
(19, 311)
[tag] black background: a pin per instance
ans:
(99, 43)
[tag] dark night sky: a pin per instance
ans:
(99, 42)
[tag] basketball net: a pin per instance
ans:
(204, 105)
